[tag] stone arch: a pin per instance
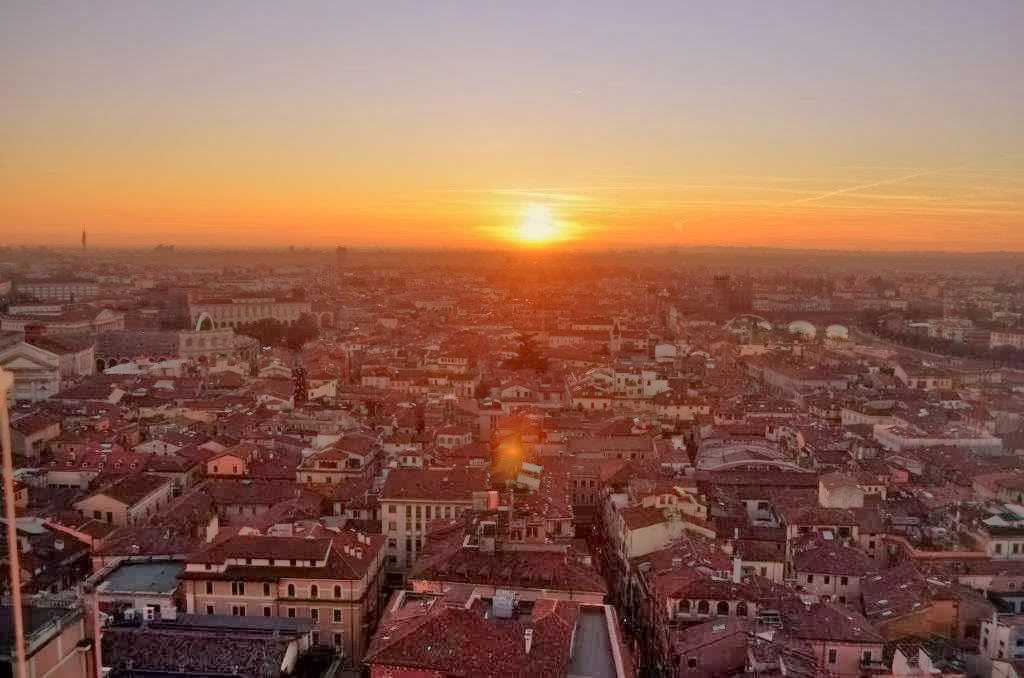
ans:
(204, 322)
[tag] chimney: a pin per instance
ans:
(737, 569)
(528, 638)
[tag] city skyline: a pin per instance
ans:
(876, 127)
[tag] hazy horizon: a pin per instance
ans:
(591, 126)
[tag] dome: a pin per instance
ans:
(803, 328)
(837, 332)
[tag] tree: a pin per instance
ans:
(271, 332)
(267, 331)
(302, 330)
(529, 356)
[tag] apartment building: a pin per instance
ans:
(411, 498)
(331, 579)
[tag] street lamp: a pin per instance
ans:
(14, 557)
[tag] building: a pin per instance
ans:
(36, 371)
(1002, 637)
(332, 580)
(57, 642)
(132, 587)
(463, 633)
(55, 319)
(206, 646)
(130, 500)
(412, 498)
(68, 290)
(1011, 339)
(353, 456)
(234, 312)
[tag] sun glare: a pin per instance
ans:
(538, 226)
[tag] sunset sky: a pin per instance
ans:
(890, 124)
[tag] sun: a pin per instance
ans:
(538, 226)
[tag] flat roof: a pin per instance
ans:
(592, 649)
(158, 577)
(197, 622)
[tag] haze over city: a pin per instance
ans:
(513, 339)
(880, 126)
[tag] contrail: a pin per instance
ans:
(883, 182)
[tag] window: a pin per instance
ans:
(392, 526)
(314, 591)
(209, 609)
(392, 508)
(828, 579)
(291, 590)
(810, 579)
(703, 607)
(999, 547)
(741, 609)
(314, 614)
(238, 588)
(238, 610)
(832, 655)
(266, 590)
(98, 515)
(723, 607)
(337, 640)
(392, 543)
(209, 588)
(316, 637)
(337, 615)
(866, 657)
(337, 591)
(844, 581)
(691, 662)
(684, 606)
(291, 613)
(266, 610)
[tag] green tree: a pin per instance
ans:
(303, 330)
(529, 356)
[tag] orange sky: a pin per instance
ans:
(857, 129)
